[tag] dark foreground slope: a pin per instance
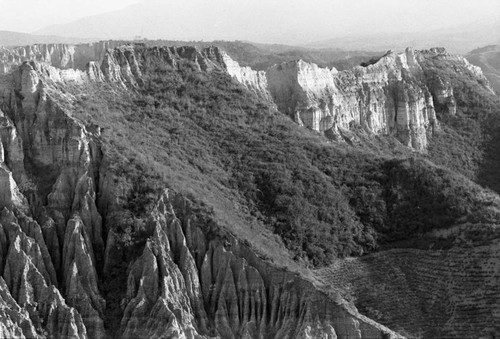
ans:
(151, 194)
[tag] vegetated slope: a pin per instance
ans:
(178, 120)
(469, 140)
(438, 283)
(116, 253)
(488, 58)
(325, 200)
(328, 200)
(262, 56)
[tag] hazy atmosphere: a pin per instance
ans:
(280, 21)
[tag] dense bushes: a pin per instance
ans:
(469, 142)
(205, 135)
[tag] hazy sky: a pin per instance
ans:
(289, 17)
(30, 15)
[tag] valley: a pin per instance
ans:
(155, 191)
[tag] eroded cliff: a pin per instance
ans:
(392, 96)
(82, 256)
(61, 228)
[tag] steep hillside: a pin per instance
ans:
(488, 58)
(158, 191)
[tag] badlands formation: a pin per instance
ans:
(391, 96)
(187, 280)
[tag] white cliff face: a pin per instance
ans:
(255, 81)
(391, 96)
(384, 98)
(39, 131)
(61, 56)
(194, 282)
(183, 284)
(10, 159)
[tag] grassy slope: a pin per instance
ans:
(260, 174)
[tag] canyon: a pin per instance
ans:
(390, 96)
(78, 260)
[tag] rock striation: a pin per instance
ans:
(61, 206)
(61, 56)
(392, 96)
(383, 98)
(255, 81)
(186, 285)
(53, 158)
(55, 250)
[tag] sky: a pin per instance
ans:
(27, 16)
(288, 19)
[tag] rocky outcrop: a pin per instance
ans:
(387, 97)
(182, 283)
(54, 159)
(14, 320)
(230, 293)
(392, 96)
(255, 81)
(60, 234)
(31, 286)
(443, 94)
(61, 56)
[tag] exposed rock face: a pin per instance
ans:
(31, 288)
(14, 320)
(183, 284)
(186, 281)
(230, 293)
(53, 157)
(58, 55)
(255, 81)
(391, 96)
(387, 97)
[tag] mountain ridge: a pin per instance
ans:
(202, 210)
(12, 39)
(456, 39)
(231, 23)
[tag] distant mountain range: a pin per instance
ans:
(8, 38)
(171, 20)
(457, 39)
